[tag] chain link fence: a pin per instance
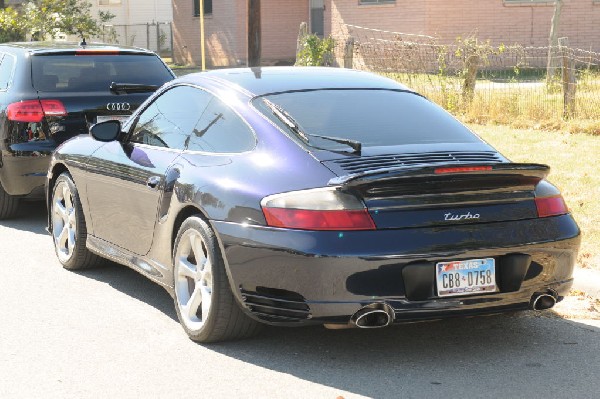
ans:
(155, 36)
(484, 82)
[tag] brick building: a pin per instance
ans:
(526, 22)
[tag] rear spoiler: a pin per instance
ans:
(526, 172)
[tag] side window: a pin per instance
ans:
(6, 69)
(170, 119)
(221, 130)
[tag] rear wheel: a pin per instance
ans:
(9, 204)
(204, 302)
(68, 226)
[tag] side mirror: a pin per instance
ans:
(106, 131)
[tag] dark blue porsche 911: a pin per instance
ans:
(291, 196)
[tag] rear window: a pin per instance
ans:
(372, 117)
(84, 73)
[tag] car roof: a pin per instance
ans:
(265, 80)
(68, 47)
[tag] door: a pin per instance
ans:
(126, 179)
(317, 17)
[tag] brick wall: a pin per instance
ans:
(526, 24)
(225, 31)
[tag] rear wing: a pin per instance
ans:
(524, 173)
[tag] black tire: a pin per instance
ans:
(72, 254)
(9, 204)
(225, 320)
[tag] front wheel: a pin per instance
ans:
(69, 231)
(204, 302)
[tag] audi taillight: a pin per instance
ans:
(317, 209)
(551, 206)
(34, 110)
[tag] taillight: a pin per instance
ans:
(97, 52)
(462, 169)
(551, 206)
(318, 209)
(34, 110)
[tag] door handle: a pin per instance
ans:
(153, 182)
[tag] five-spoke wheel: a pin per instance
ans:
(68, 227)
(204, 302)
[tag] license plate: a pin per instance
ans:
(104, 118)
(466, 277)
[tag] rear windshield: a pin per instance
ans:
(83, 73)
(372, 117)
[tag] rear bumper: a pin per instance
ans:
(24, 174)
(295, 277)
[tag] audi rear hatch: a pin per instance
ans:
(83, 87)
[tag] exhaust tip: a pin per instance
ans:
(542, 301)
(376, 315)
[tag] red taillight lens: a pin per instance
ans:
(319, 220)
(96, 52)
(317, 209)
(463, 169)
(551, 206)
(34, 110)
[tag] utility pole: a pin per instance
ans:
(202, 39)
(254, 33)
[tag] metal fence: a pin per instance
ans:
(484, 81)
(155, 36)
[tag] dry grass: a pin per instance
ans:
(572, 158)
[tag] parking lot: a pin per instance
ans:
(109, 332)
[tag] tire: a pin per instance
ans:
(9, 204)
(205, 305)
(68, 231)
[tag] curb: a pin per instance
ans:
(588, 281)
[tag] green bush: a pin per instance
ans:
(315, 51)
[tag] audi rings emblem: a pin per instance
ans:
(118, 106)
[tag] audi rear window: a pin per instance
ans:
(85, 73)
(372, 117)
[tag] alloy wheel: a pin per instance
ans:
(193, 280)
(64, 221)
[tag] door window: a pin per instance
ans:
(170, 119)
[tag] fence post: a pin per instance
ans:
(569, 82)
(349, 53)
(148, 35)
(158, 38)
(302, 33)
(172, 47)
(472, 67)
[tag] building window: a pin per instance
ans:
(109, 2)
(365, 2)
(207, 7)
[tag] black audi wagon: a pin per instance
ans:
(50, 92)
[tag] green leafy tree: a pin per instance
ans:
(47, 18)
(11, 28)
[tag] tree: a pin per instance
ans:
(11, 27)
(553, 39)
(48, 18)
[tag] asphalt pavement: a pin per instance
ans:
(109, 332)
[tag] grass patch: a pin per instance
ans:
(572, 158)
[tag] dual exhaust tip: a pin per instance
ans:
(543, 301)
(377, 315)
